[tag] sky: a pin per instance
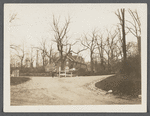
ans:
(33, 21)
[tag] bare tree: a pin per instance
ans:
(13, 46)
(132, 49)
(51, 54)
(109, 47)
(100, 46)
(42, 48)
(90, 44)
(37, 58)
(118, 48)
(12, 17)
(31, 57)
(61, 39)
(135, 27)
(121, 16)
(20, 53)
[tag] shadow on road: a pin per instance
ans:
(18, 80)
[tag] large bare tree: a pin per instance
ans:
(121, 16)
(61, 38)
(135, 27)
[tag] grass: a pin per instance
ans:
(18, 80)
(121, 85)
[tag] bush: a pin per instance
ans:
(132, 67)
(102, 72)
(35, 74)
(81, 72)
(24, 70)
(33, 70)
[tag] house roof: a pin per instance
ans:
(75, 58)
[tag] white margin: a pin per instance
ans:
(78, 108)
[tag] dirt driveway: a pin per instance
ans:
(63, 91)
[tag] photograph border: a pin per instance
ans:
(76, 108)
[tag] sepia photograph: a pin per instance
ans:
(75, 57)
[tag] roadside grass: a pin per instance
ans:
(18, 80)
(121, 85)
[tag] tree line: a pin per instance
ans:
(106, 48)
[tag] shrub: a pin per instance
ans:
(132, 67)
(24, 70)
(81, 72)
(39, 70)
(32, 70)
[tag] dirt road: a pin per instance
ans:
(63, 91)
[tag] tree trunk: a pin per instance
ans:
(109, 66)
(100, 49)
(139, 45)
(123, 35)
(43, 61)
(124, 42)
(61, 60)
(21, 63)
(102, 62)
(31, 64)
(49, 60)
(91, 62)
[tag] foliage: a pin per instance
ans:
(33, 70)
(81, 72)
(133, 66)
(121, 86)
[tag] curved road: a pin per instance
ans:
(63, 91)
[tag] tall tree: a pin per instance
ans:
(42, 48)
(135, 27)
(100, 46)
(121, 15)
(110, 45)
(31, 57)
(20, 53)
(89, 42)
(61, 39)
(51, 54)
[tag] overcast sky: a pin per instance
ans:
(33, 21)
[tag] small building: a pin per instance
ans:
(72, 62)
